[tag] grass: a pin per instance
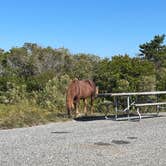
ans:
(25, 114)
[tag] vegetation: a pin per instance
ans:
(33, 79)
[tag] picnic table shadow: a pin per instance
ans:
(97, 117)
(122, 117)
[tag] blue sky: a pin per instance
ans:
(101, 27)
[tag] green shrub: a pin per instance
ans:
(24, 114)
(52, 97)
(13, 94)
(20, 115)
(38, 82)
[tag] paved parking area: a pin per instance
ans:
(87, 143)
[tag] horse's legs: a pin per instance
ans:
(85, 106)
(91, 108)
(75, 109)
(76, 103)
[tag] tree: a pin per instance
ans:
(123, 74)
(1, 51)
(154, 50)
(19, 61)
(83, 66)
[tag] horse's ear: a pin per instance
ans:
(94, 80)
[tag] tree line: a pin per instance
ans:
(41, 74)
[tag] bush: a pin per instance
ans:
(13, 94)
(38, 82)
(52, 97)
(20, 115)
(25, 114)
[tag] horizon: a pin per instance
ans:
(103, 28)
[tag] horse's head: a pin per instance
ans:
(97, 91)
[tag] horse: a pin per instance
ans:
(77, 90)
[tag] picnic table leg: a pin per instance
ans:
(138, 113)
(128, 107)
(158, 109)
(116, 108)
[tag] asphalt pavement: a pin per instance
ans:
(87, 142)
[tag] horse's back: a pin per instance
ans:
(87, 88)
(81, 88)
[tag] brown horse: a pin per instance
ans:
(80, 89)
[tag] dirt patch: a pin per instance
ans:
(131, 137)
(120, 142)
(60, 132)
(102, 144)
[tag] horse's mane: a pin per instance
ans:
(91, 83)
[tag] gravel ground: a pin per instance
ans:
(87, 143)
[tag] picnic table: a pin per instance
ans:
(131, 101)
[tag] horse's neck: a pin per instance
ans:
(90, 83)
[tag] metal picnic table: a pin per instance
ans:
(133, 102)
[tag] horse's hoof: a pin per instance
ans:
(77, 115)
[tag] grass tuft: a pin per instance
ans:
(24, 114)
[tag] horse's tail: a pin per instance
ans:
(70, 98)
(69, 103)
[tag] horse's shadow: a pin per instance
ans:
(89, 118)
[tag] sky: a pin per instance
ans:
(101, 27)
